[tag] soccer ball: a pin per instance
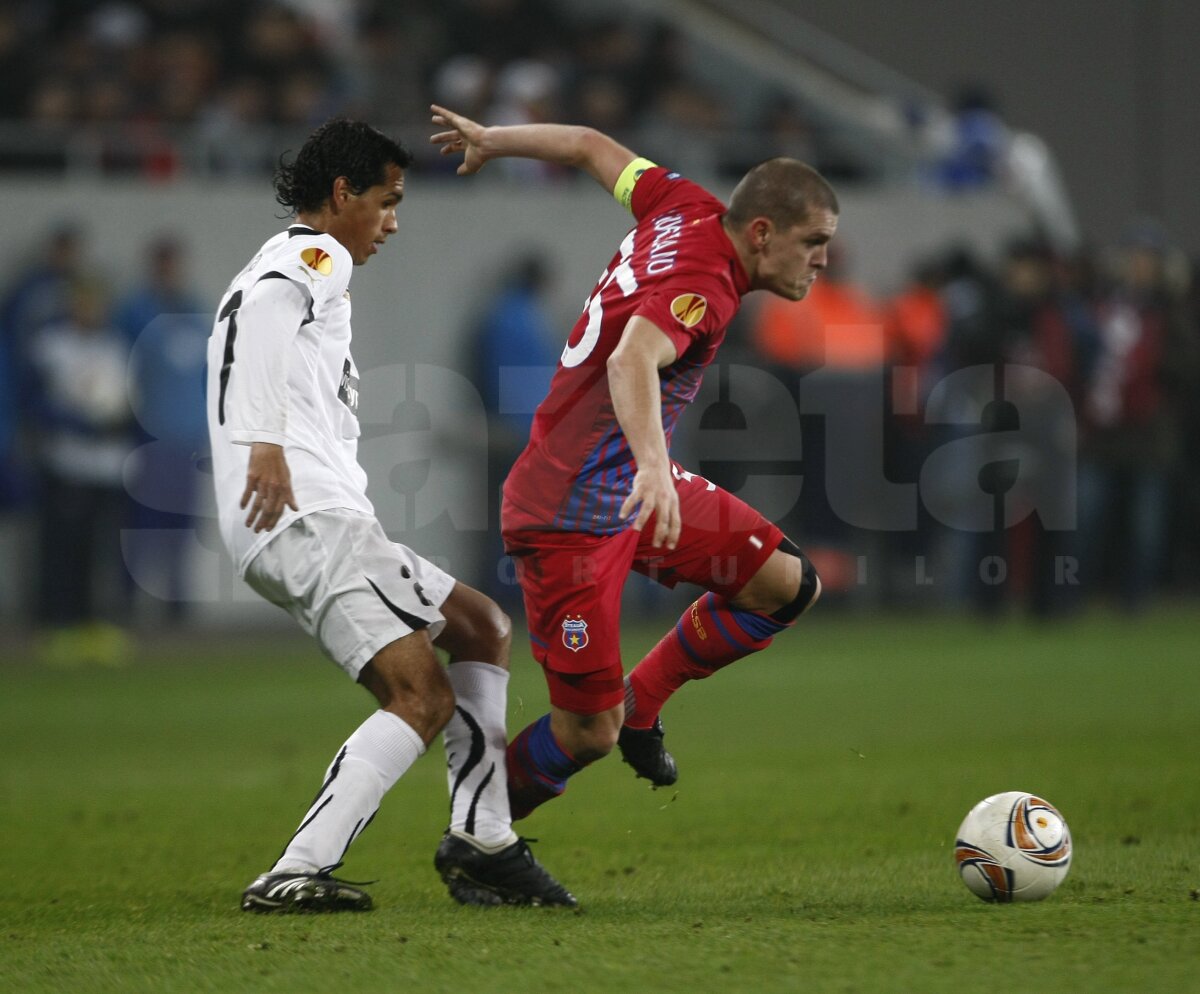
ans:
(1013, 847)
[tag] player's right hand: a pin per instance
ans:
(465, 136)
(654, 490)
(269, 483)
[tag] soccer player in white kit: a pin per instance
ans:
(294, 514)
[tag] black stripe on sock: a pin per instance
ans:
(333, 772)
(474, 756)
(353, 835)
(303, 825)
(470, 827)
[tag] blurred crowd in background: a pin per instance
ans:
(163, 88)
(1061, 391)
(1066, 387)
(101, 424)
(100, 413)
(138, 80)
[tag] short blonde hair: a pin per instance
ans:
(785, 190)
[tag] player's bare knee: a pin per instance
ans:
(407, 680)
(495, 629)
(477, 629)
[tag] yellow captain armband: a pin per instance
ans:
(623, 191)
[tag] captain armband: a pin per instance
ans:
(623, 191)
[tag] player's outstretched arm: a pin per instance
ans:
(598, 155)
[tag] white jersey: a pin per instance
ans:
(279, 370)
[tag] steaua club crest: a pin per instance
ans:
(575, 636)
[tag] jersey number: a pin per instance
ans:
(228, 311)
(623, 276)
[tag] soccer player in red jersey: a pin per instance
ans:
(595, 492)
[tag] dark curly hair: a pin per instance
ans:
(337, 148)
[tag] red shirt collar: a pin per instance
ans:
(741, 281)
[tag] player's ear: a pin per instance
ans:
(341, 193)
(760, 231)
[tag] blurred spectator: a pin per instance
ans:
(275, 42)
(1131, 444)
(781, 129)
(83, 439)
(687, 108)
(602, 102)
(526, 92)
(1184, 541)
(972, 148)
(972, 299)
(612, 52)
(304, 101)
(501, 31)
(516, 349)
(41, 295)
(463, 81)
(1039, 334)
(231, 128)
(10, 490)
(188, 71)
(16, 66)
(392, 68)
(916, 317)
(8, 426)
(788, 130)
(166, 327)
(915, 331)
(979, 142)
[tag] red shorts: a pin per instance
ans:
(572, 582)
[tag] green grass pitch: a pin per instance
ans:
(807, 846)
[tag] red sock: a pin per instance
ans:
(711, 634)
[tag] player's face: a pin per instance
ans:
(790, 260)
(366, 219)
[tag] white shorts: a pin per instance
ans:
(337, 574)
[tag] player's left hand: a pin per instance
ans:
(269, 484)
(654, 490)
(466, 136)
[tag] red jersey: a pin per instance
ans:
(678, 269)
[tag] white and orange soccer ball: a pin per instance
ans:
(1013, 847)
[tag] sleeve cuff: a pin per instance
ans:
(250, 437)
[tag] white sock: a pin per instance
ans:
(475, 742)
(379, 752)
